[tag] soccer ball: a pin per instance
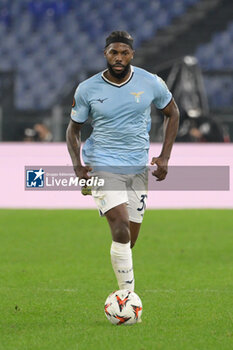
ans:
(123, 307)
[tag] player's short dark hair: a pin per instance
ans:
(120, 36)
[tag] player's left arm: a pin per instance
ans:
(171, 124)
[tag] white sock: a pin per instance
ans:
(121, 257)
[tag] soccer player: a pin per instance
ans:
(118, 101)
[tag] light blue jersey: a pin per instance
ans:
(120, 117)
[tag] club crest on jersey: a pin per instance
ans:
(137, 95)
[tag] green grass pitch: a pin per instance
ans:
(55, 274)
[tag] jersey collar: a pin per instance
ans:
(115, 84)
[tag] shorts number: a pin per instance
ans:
(143, 196)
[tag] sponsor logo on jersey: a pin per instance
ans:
(101, 100)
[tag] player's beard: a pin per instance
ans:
(120, 75)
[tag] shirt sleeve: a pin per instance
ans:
(80, 107)
(162, 95)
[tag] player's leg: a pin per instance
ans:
(121, 254)
(118, 219)
(134, 232)
(137, 195)
(112, 204)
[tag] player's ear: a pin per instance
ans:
(133, 55)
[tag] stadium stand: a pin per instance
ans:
(217, 55)
(47, 43)
(48, 46)
(201, 27)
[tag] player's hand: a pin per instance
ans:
(162, 167)
(82, 171)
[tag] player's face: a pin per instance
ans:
(118, 57)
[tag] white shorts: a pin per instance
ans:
(129, 189)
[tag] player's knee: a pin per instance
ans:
(121, 232)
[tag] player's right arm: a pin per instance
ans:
(73, 140)
(79, 114)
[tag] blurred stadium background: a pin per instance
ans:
(48, 47)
